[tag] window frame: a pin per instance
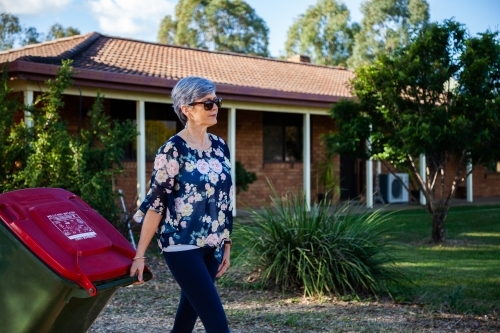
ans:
(283, 120)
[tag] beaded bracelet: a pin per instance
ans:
(143, 258)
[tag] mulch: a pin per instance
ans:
(151, 308)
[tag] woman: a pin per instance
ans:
(189, 208)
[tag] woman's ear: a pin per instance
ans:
(184, 110)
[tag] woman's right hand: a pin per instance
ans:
(137, 268)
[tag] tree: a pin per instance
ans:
(221, 25)
(439, 95)
(386, 25)
(166, 33)
(10, 29)
(46, 155)
(324, 33)
(31, 36)
(58, 31)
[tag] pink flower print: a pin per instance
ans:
(222, 140)
(202, 166)
(161, 176)
(231, 193)
(160, 161)
(172, 168)
(167, 147)
(175, 153)
(214, 178)
(223, 176)
(171, 241)
(212, 240)
(178, 204)
(183, 224)
(215, 165)
(219, 152)
(191, 199)
(207, 186)
(223, 207)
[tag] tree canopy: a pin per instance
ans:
(9, 30)
(386, 25)
(12, 33)
(324, 33)
(220, 25)
(58, 31)
(437, 95)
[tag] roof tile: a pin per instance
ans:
(118, 55)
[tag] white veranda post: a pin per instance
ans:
(231, 138)
(28, 100)
(141, 150)
(469, 182)
(307, 158)
(423, 175)
(369, 176)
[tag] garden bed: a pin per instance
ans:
(151, 308)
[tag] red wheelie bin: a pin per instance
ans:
(60, 262)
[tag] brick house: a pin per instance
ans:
(274, 111)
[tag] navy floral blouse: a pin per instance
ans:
(193, 191)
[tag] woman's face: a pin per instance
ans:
(198, 115)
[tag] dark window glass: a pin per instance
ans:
(282, 137)
(161, 124)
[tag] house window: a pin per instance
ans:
(161, 124)
(282, 137)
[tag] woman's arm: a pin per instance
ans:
(149, 226)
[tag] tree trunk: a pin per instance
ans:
(438, 227)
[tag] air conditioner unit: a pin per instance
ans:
(392, 189)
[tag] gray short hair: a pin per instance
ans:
(187, 90)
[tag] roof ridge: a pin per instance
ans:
(44, 43)
(226, 52)
(87, 42)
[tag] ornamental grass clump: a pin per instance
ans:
(344, 252)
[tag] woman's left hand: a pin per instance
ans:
(225, 261)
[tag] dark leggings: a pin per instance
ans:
(194, 271)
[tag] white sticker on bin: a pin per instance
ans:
(72, 225)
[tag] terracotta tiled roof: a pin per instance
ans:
(118, 55)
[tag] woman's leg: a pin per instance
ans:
(194, 271)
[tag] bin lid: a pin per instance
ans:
(67, 235)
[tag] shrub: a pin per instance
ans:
(343, 252)
(47, 155)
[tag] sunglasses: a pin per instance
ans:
(209, 105)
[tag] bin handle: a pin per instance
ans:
(123, 282)
(8, 214)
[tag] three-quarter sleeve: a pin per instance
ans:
(160, 197)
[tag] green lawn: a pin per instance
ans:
(463, 274)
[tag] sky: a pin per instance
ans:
(140, 19)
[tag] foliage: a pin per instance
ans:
(438, 96)
(317, 251)
(9, 30)
(31, 36)
(46, 155)
(166, 32)
(221, 25)
(328, 181)
(12, 33)
(243, 178)
(58, 31)
(386, 25)
(324, 33)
